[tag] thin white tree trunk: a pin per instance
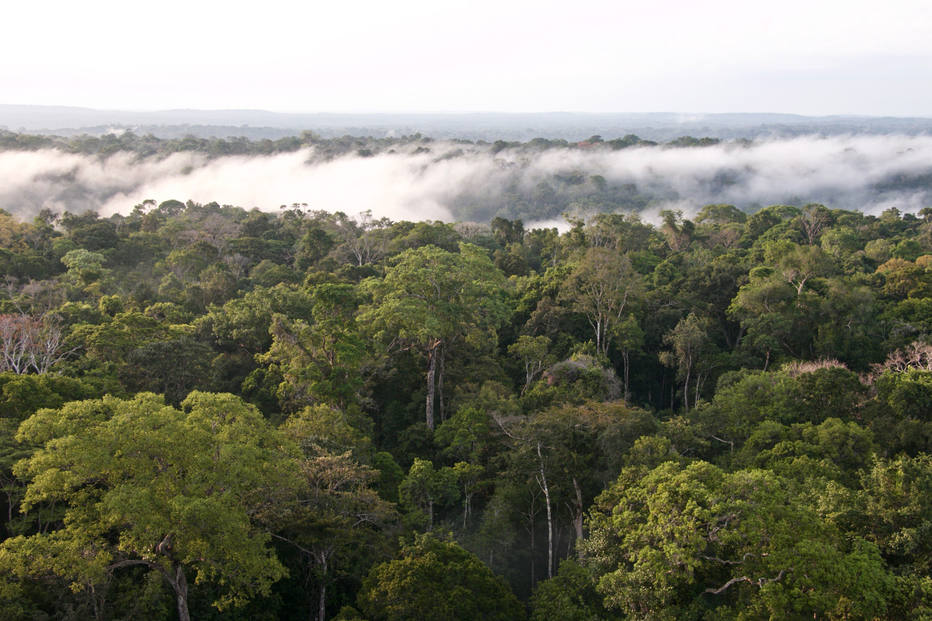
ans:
(542, 481)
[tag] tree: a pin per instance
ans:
(84, 264)
(678, 231)
(813, 219)
(145, 484)
(430, 299)
(569, 596)
(366, 241)
(698, 542)
(569, 453)
(688, 340)
(629, 336)
(532, 351)
(898, 510)
(438, 580)
(319, 358)
(797, 265)
(426, 487)
(337, 515)
(29, 344)
(600, 287)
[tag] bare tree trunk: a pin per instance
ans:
(598, 335)
(322, 601)
(578, 517)
(686, 388)
(440, 369)
(467, 507)
(699, 379)
(624, 356)
(542, 481)
(179, 584)
(431, 383)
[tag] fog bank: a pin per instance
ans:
(456, 181)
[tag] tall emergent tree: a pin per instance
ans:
(601, 286)
(431, 298)
(180, 492)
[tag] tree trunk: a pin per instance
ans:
(179, 584)
(440, 408)
(467, 508)
(542, 481)
(322, 601)
(598, 335)
(431, 382)
(697, 387)
(578, 517)
(624, 356)
(686, 389)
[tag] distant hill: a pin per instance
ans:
(256, 124)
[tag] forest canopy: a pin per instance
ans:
(208, 411)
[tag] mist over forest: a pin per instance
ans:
(417, 178)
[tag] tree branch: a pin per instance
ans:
(760, 582)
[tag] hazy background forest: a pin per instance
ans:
(415, 177)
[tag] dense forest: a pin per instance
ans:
(218, 413)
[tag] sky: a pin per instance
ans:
(814, 57)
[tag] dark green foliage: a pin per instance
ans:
(569, 595)
(436, 579)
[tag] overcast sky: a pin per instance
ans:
(800, 56)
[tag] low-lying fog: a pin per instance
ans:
(451, 181)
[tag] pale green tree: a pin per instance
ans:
(182, 492)
(601, 286)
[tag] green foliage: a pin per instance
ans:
(326, 428)
(570, 595)
(433, 299)
(430, 294)
(22, 395)
(898, 510)
(688, 542)
(581, 378)
(84, 264)
(319, 358)
(469, 435)
(181, 489)
(601, 286)
(788, 346)
(426, 489)
(747, 398)
(436, 579)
